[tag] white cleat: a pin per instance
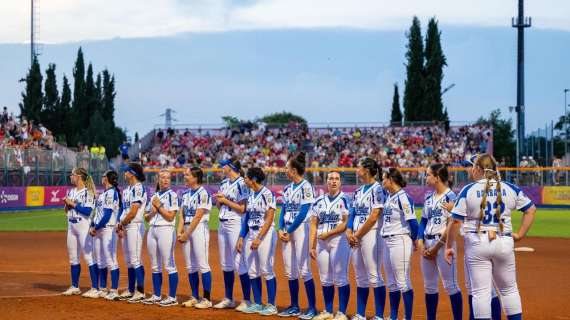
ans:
(324, 315)
(71, 291)
(242, 306)
(203, 304)
(378, 318)
(340, 316)
(126, 295)
(137, 297)
(357, 317)
(225, 304)
(168, 302)
(113, 295)
(92, 293)
(103, 293)
(151, 300)
(190, 303)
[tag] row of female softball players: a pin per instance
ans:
(376, 228)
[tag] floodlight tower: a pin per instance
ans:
(34, 29)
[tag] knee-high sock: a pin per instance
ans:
(517, 316)
(271, 290)
(328, 295)
(471, 314)
(456, 306)
(115, 279)
(408, 303)
(343, 297)
(157, 283)
(194, 280)
(139, 274)
(94, 275)
(207, 284)
(172, 284)
(361, 299)
(311, 296)
(380, 300)
(431, 305)
(245, 286)
(103, 277)
(294, 292)
(496, 309)
(131, 279)
(256, 286)
(229, 284)
(75, 270)
(394, 304)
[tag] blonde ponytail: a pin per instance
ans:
(90, 185)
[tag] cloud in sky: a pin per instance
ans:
(72, 20)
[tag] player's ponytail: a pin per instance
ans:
(298, 162)
(372, 166)
(489, 166)
(113, 179)
(87, 179)
(440, 171)
(396, 176)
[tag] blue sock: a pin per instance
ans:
(394, 304)
(94, 275)
(172, 284)
(361, 299)
(271, 290)
(311, 296)
(194, 280)
(103, 277)
(132, 279)
(115, 278)
(496, 309)
(456, 306)
(256, 286)
(471, 314)
(328, 294)
(245, 286)
(157, 283)
(431, 305)
(75, 272)
(343, 297)
(229, 284)
(408, 303)
(380, 300)
(294, 292)
(517, 316)
(139, 273)
(207, 284)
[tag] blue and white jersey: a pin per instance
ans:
(193, 200)
(366, 198)
(109, 199)
(468, 205)
(235, 191)
(131, 195)
(398, 209)
(169, 200)
(257, 205)
(294, 196)
(81, 197)
(329, 211)
(435, 212)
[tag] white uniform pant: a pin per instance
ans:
(105, 247)
(333, 257)
(488, 262)
(228, 235)
(79, 241)
(260, 261)
(397, 262)
(432, 269)
(132, 242)
(296, 254)
(367, 260)
(196, 249)
(160, 243)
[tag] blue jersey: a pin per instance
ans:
(435, 212)
(367, 198)
(193, 200)
(109, 199)
(294, 196)
(330, 211)
(398, 209)
(258, 204)
(235, 191)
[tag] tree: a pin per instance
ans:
(32, 97)
(64, 132)
(51, 101)
(413, 91)
(282, 119)
(108, 96)
(503, 136)
(396, 117)
(136, 137)
(231, 121)
(80, 117)
(432, 106)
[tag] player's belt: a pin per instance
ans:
(224, 220)
(394, 235)
(432, 236)
(254, 228)
(505, 234)
(74, 220)
(187, 223)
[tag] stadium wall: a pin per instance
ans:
(41, 197)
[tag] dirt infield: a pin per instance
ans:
(34, 270)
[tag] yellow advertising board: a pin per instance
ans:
(556, 195)
(34, 196)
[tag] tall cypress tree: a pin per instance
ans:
(108, 96)
(434, 62)
(32, 97)
(78, 105)
(90, 106)
(51, 101)
(64, 114)
(413, 91)
(396, 117)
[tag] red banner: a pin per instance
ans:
(53, 196)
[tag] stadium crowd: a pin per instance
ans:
(327, 147)
(23, 134)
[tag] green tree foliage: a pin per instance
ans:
(64, 132)
(432, 107)
(413, 91)
(32, 97)
(503, 136)
(396, 117)
(282, 119)
(80, 117)
(51, 101)
(108, 96)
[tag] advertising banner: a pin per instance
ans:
(12, 197)
(53, 196)
(556, 195)
(34, 196)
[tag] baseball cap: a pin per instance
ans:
(229, 163)
(469, 162)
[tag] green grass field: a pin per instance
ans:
(548, 222)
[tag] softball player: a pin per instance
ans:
(363, 236)
(329, 214)
(107, 207)
(194, 234)
(432, 238)
(485, 208)
(294, 234)
(231, 200)
(161, 216)
(79, 203)
(399, 231)
(130, 228)
(257, 240)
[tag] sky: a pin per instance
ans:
(209, 58)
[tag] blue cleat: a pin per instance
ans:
(290, 312)
(310, 314)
